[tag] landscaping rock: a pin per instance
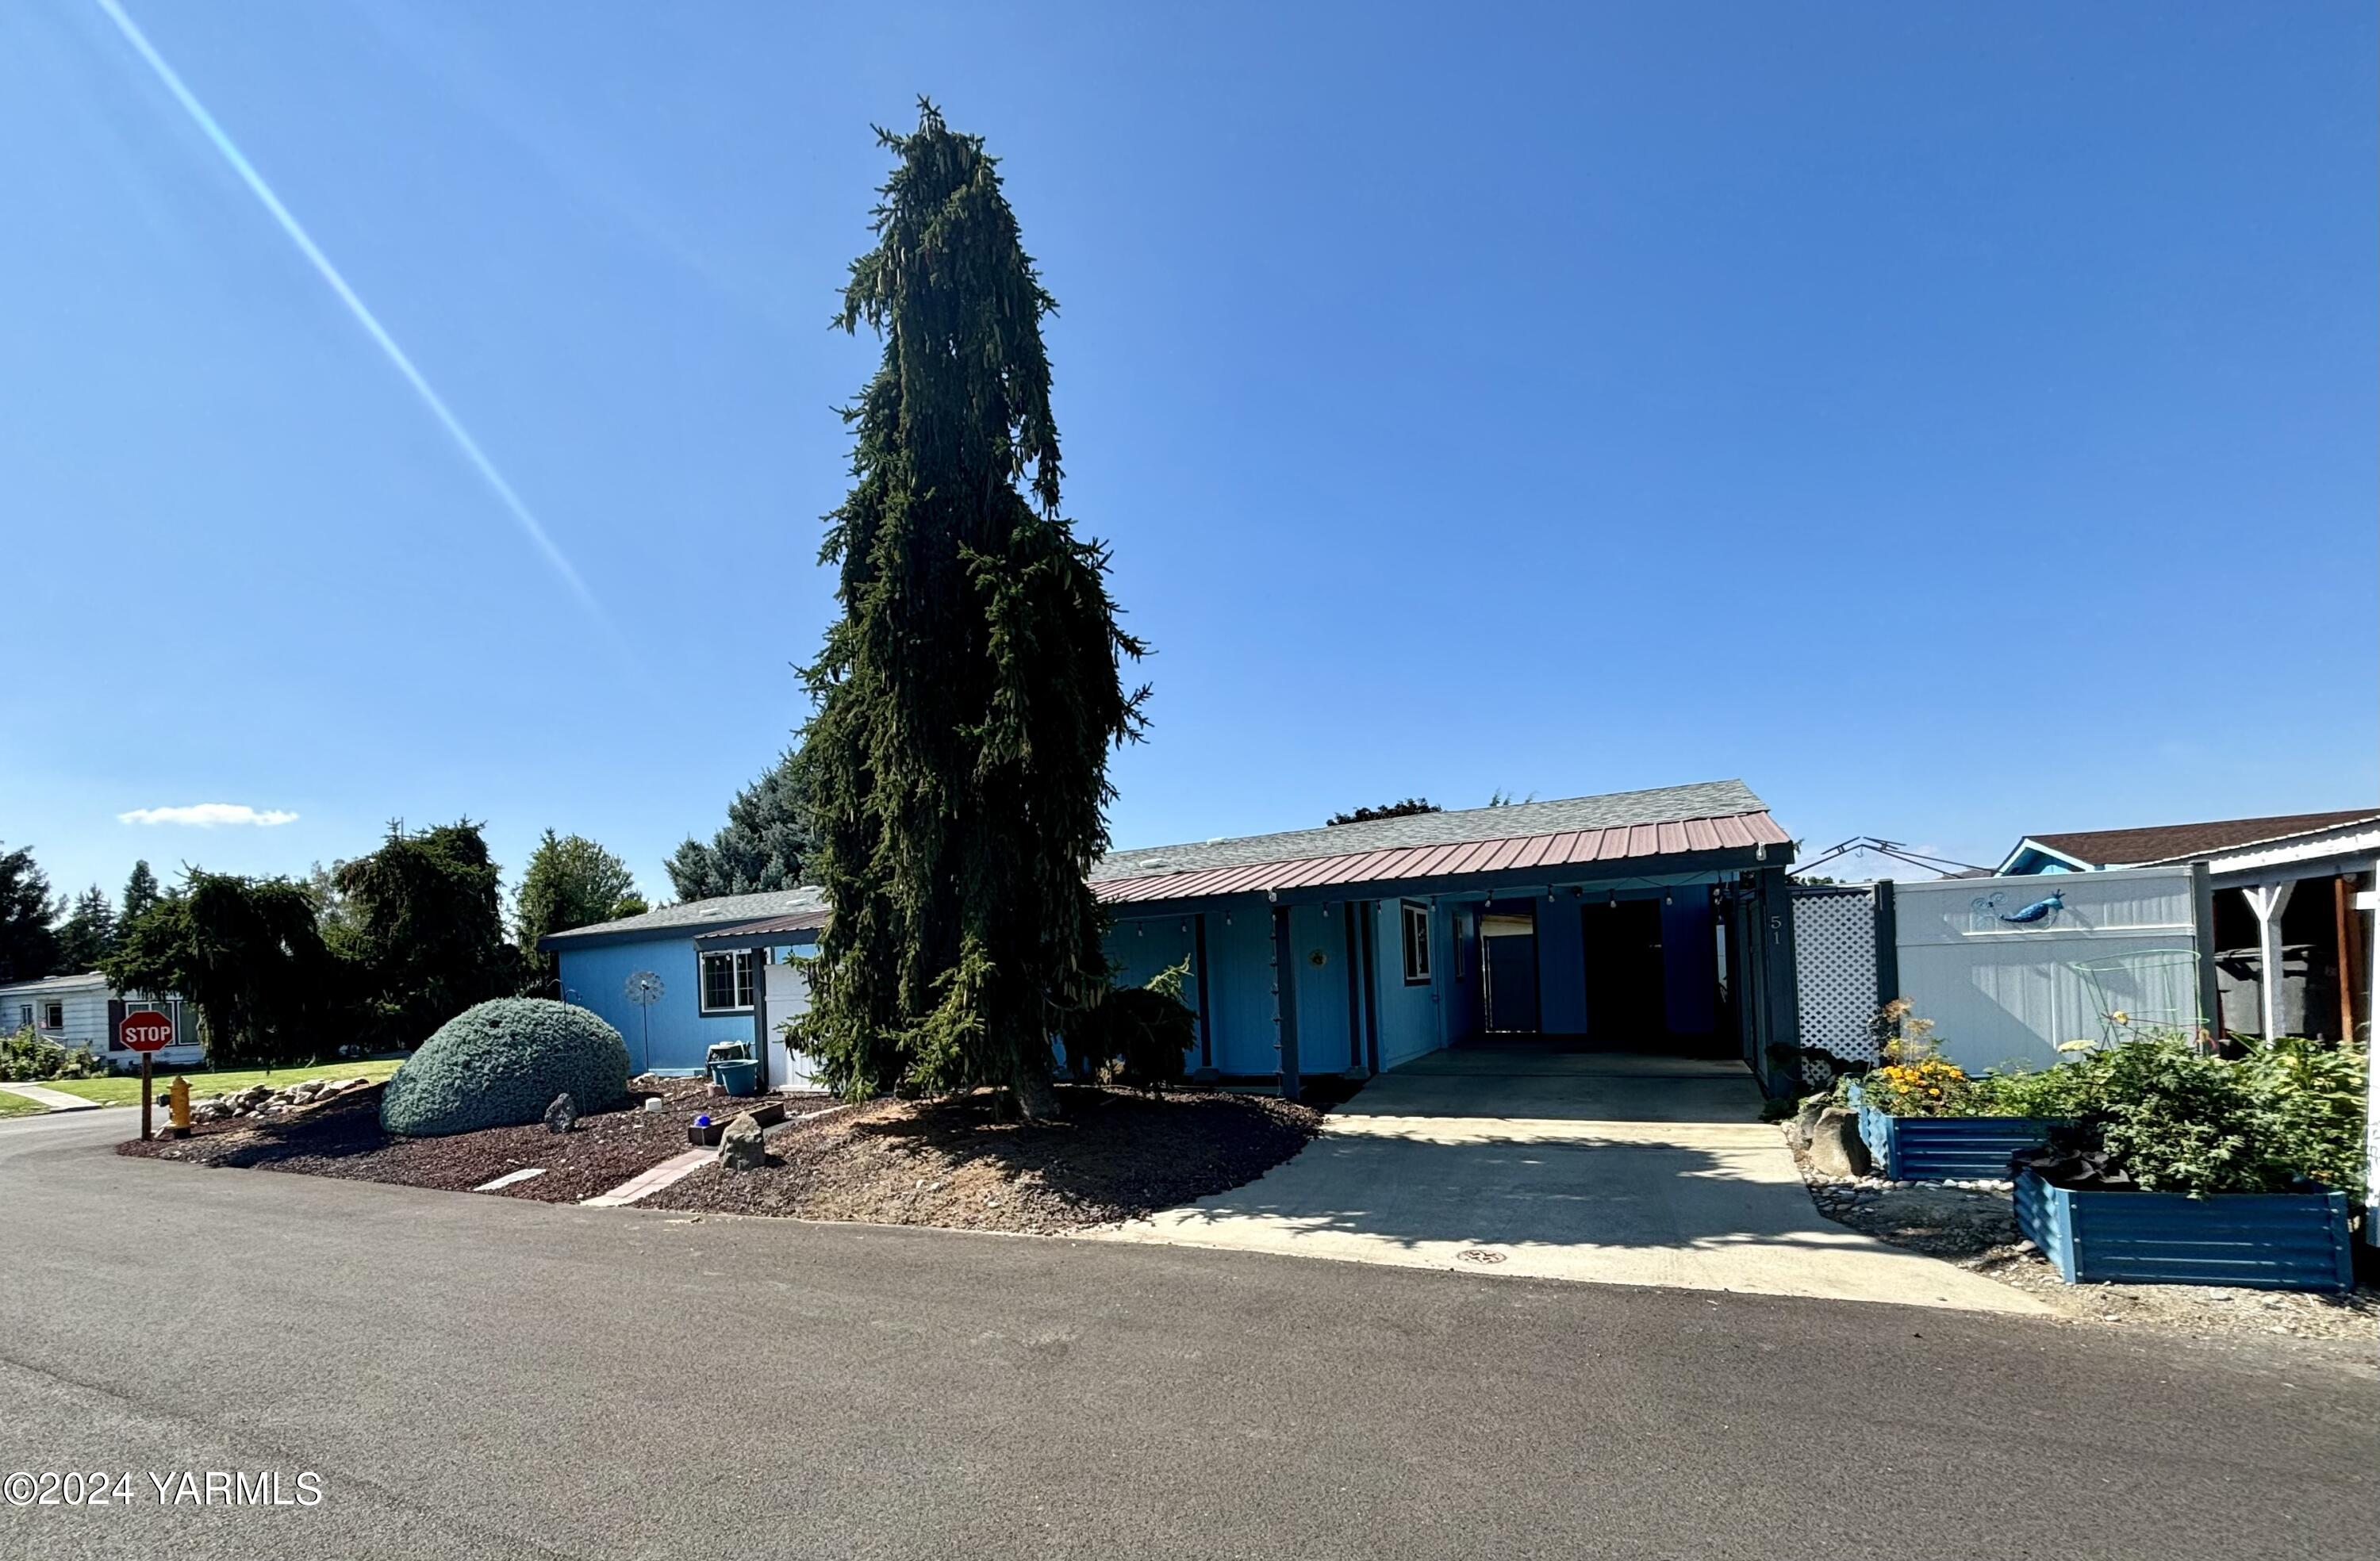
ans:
(743, 1146)
(1835, 1148)
(563, 1115)
(1804, 1120)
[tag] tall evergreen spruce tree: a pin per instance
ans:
(969, 693)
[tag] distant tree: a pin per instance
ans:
(140, 893)
(570, 881)
(970, 690)
(629, 904)
(249, 954)
(1502, 798)
(87, 933)
(29, 948)
(1404, 809)
(336, 913)
(765, 845)
(428, 935)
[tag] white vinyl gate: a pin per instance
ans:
(788, 991)
(2009, 969)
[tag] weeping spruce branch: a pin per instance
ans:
(969, 693)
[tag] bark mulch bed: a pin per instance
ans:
(344, 1138)
(957, 1162)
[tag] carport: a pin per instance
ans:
(1638, 921)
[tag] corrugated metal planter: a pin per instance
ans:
(2268, 1241)
(1946, 1149)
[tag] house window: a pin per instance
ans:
(53, 1016)
(1416, 929)
(727, 981)
(24, 1016)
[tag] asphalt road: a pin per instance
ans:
(474, 1376)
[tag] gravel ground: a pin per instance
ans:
(344, 1138)
(1112, 1155)
(1974, 1225)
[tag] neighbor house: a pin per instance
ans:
(1642, 921)
(672, 994)
(83, 1010)
(2290, 892)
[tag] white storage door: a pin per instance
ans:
(788, 988)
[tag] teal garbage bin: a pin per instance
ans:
(737, 1077)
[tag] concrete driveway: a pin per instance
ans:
(1623, 1169)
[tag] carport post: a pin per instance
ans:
(760, 1015)
(1781, 988)
(1206, 1073)
(1285, 1000)
(1354, 992)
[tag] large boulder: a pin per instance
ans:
(499, 1063)
(1836, 1147)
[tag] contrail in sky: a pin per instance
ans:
(364, 317)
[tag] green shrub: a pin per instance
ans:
(2310, 1097)
(26, 1058)
(2177, 1118)
(501, 1063)
(1137, 1036)
(2051, 1092)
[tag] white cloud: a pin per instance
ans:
(207, 814)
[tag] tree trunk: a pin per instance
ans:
(1035, 1095)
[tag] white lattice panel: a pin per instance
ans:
(1834, 942)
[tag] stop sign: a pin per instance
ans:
(146, 1030)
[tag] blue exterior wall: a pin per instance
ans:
(1239, 975)
(1690, 963)
(1138, 950)
(1561, 966)
(1411, 1017)
(595, 978)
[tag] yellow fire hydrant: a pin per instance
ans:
(178, 1100)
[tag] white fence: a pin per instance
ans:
(2009, 968)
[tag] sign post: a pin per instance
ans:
(145, 1031)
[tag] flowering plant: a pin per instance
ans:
(1927, 1087)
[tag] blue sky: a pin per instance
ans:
(1955, 421)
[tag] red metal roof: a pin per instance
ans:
(1567, 848)
(738, 936)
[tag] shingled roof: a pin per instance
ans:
(2185, 843)
(692, 916)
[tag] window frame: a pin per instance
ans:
(1413, 915)
(52, 1006)
(743, 978)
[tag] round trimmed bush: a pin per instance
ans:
(500, 1064)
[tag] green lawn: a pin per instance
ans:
(18, 1106)
(123, 1090)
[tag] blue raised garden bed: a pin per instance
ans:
(2269, 1240)
(1946, 1149)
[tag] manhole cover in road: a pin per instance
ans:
(1479, 1254)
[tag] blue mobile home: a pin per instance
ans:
(699, 993)
(1641, 921)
